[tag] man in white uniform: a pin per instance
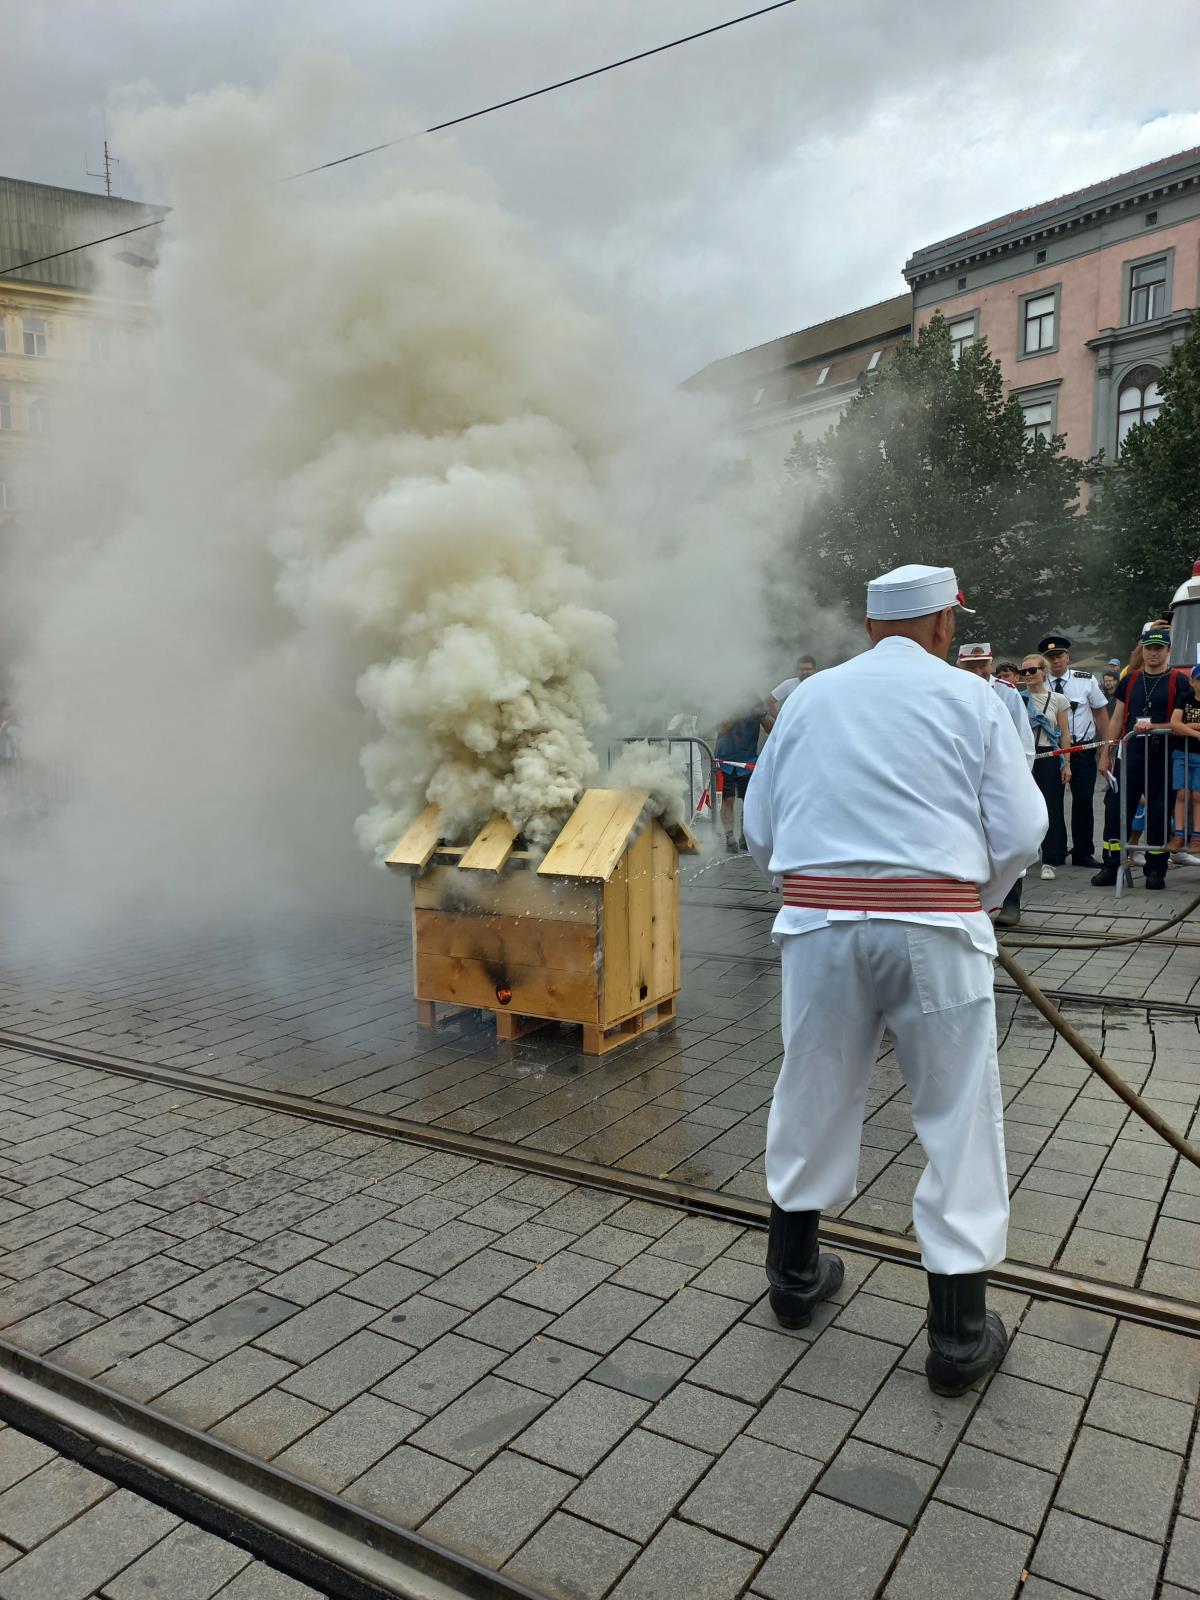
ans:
(885, 923)
(977, 658)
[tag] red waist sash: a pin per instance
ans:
(880, 894)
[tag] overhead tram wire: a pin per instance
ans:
(437, 127)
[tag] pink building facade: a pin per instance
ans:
(1082, 299)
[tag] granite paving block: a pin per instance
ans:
(581, 1428)
(533, 1241)
(1121, 1483)
(148, 1374)
(52, 1495)
(1183, 1559)
(35, 1293)
(1086, 1330)
(342, 1447)
(317, 1328)
(802, 1423)
(603, 1318)
(279, 1251)
(439, 1373)
(1007, 1491)
(481, 1422)
(124, 1336)
(497, 1509)
(479, 1280)
(386, 1285)
(222, 1331)
(1163, 1363)
(269, 1424)
(548, 1366)
(77, 1561)
(345, 1371)
(406, 1486)
(52, 1326)
(1025, 1421)
(880, 1318)
(653, 1275)
(695, 1241)
(747, 1363)
(310, 1280)
(1102, 1255)
(691, 1321)
(260, 1582)
(580, 1210)
(445, 1247)
(370, 1246)
(953, 1553)
(560, 1282)
(1058, 1366)
(346, 1217)
(843, 1367)
(418, 1321)
(1102, 1562)
(641, 1369)
(568, 1559)
(614, 1245)
(906, 1416)
(728, 1275)
(685, 1560)
(752, 1491)
(879, 1481)
(19, 1456)
(213, 1392)
(639, 1484)
(206, 1249)
(831, 1551)
(189, 1564)
(134, 1287)
(505, 1324)
(698, 1417)
(1135, 1414)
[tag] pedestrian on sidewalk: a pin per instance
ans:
(1088, 716)
(977, 658)
(1049, 716)
(1185, 775)
(884, 925)
(735, 754)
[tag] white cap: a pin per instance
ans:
(974, 652)
(913, 591)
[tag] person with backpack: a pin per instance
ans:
(1146, 698)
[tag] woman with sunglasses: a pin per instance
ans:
(1050, 715)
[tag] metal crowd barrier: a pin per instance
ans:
(1153, 756)
(699, 765)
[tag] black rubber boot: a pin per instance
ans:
(800, 1277)
(1106, 878)
(1156, 869)
(1009, 914)
(966, 1340)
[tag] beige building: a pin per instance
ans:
(799, 385)
(55, 324)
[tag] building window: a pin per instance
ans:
(1040, 258)
(1039, 323)
(1151, 218)
(5, 409)
(1140, 400)
(874, 361)
(34, 336)
(822, 375)
(38, 412)
(962, 283)
(962, 336)
(1148, 291)
(1039, 419)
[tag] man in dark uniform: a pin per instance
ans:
(1146, 697)
(1089, 720)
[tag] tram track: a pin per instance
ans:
(1042, 1282)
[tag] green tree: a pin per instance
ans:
(930, 463)
(1145, 517)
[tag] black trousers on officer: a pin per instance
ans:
(1047, 774)
(1083, 791)
(1144, 772)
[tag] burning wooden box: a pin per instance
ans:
(589, 933)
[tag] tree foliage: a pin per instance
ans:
(1145, 518)
(930, 463)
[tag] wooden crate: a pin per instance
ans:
(587, 934)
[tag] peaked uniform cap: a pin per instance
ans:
(913, 591)
(974, 652)
(1054, 641)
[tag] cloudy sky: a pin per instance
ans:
(710, 198)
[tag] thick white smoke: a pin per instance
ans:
(378, 493)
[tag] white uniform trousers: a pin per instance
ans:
(932, 989)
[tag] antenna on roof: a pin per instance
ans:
(109, 163)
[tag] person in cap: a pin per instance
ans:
(1089, 721)
(977, 658)
(1185, 774)
(1145, 698)
(885, 924)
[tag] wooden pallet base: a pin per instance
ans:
(597, 1041)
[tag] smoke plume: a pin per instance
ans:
(376, 504)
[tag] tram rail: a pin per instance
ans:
(1042, 1282)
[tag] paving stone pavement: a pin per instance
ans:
(75, 1536)
(587, 1392)
(324, 1009)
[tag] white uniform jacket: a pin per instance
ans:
(895, 764)
(1086, 697)
(1016, 710)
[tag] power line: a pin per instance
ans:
(437, 127)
